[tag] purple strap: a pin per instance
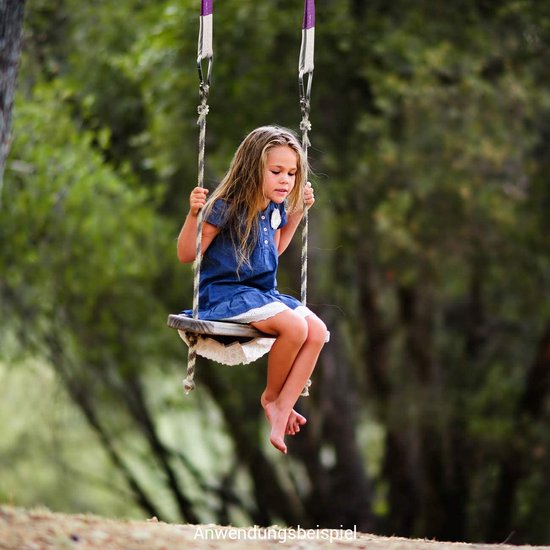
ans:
(309, 14)
(205, 50)
(207, 7)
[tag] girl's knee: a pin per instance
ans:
(317, 330)
(298, 329)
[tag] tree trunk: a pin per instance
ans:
(132, 393)
(377, 341)
(83, 400)
(11, 22)
(427, 483)
(514, 467)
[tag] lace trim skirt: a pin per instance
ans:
(228, 351)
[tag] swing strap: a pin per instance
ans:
(205, 50)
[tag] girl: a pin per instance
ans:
(245, 228)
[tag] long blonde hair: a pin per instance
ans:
(242, 187)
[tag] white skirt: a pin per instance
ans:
(237, 353)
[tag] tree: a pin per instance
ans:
(11, 22)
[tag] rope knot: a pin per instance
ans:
(188, 386)
(305, 391)
(203, 109)
(305, 125)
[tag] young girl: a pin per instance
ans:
(246, 227)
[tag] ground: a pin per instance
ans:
(44, 530)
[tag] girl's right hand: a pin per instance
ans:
(197, 200)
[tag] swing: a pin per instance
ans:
(194, 328)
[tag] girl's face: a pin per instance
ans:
(279, 174)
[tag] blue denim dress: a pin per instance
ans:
(228, 291)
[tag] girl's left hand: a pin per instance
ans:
(309, 198)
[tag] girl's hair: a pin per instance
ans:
(242, 188)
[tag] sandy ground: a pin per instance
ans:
(44, 530)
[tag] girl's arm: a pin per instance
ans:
(284, 235)
(187, 238)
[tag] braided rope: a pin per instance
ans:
(305, 127)
(202, 109)
(305, 67)
(188, 383)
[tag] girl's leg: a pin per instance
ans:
(290, 364)
(299, 374)
(291, 332)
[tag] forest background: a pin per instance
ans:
(429, 261)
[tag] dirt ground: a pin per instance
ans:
(44, 530)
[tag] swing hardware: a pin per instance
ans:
(204, 83)
(205, 49)
(304, 82)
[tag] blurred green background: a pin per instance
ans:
(429, 262)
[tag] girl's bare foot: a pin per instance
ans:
(278, 420)
(295, 420)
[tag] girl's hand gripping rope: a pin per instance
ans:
(197, 200)
(309, 197)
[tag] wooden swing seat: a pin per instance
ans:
(215, 328)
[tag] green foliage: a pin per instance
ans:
(85, 242)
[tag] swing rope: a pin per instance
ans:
(305, 76)
(205, 51)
